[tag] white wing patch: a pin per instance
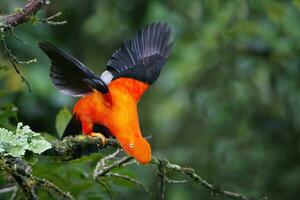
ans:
(106, 76)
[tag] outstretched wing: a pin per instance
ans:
(143, 56)
(69, 75)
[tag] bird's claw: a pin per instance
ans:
(100, 136)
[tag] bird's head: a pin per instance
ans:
(139, 148)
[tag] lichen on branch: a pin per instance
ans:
(23, 139)
(21, 171)
(71, 148)
(75, 147)
(21, 15)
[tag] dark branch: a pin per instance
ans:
(9, 21)
(27, 188)
(129, 179)
(164, 164)
(161, 172)
(52, 188)
(12, 60)
(49, 20)
(105, 169)
(75, 147)
(22, 15)
(22, 173)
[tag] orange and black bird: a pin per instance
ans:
(108, 102)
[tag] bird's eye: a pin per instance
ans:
(131, 145)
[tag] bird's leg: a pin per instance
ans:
(87, 129)
(100, 136)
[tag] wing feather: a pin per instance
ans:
(143, 56)
(69, 75)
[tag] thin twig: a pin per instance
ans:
(17, 17)
(106, 188)
(102, 171)
(26, 62)
(53, 16)
(110, 156)
(127, 178)
(132, 162)
(17, 37)
(52, 188)
(8, 188)
(7, 52)
(168, 180)
(102, 162)
(196, 178)
(14, 194)
(49, 21)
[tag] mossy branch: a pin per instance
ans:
(75, 147)
(22, 15)
(68, 149)
(17, 17)
(28, 183)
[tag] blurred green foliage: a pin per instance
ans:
(227, 102)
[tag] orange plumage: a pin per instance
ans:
(117, 110)
(110, 100)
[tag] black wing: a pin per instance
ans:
(143, 56)
(73, 128)
(69, 75)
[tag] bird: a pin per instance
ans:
(108, 102)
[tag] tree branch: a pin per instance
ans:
(105, 169)
(68, 149)
(74, 147)
(53, 188)
(21, 15)
(161, 173)
(22, 173)
(9, 21)
(12, 60)
(163, 164)
(132, 180)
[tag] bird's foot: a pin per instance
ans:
(100, 136)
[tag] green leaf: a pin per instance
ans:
(62, 119)
(23, 139)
